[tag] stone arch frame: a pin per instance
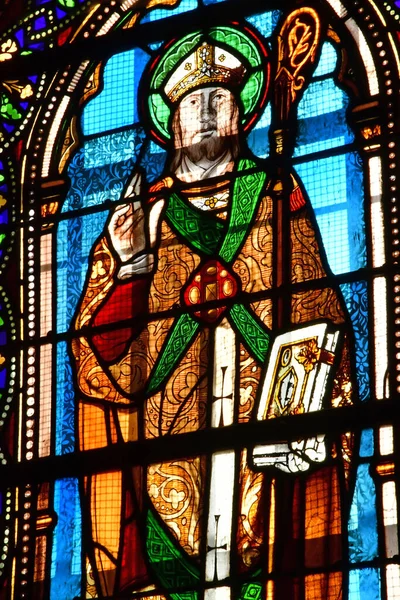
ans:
(378, 147)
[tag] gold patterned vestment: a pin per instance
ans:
(112, 403)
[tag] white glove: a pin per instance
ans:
(126, 229)
(291, 457)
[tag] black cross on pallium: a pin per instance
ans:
(222, 397)
(216, 547)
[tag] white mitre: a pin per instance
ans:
(205, 65)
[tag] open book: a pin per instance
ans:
(294, 383)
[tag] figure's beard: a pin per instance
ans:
(210, 148)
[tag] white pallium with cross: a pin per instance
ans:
(220, 504)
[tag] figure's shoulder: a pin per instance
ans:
(274, 186)
(252, 163)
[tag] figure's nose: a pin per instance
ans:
(207, 113)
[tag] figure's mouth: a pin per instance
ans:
(208, 131)
(205, 133)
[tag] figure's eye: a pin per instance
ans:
(190, 103)
(193, 101)
(218, 99)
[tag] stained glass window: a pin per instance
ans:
(199, 315)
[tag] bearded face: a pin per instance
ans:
(210, 148)
(205, 125)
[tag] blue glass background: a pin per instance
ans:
(363, 525)
(121, 95)
(364, 584)
(75, 238)
(100, 169)
(66, 563)
(265, 22)
(163, 13)
(335, 188)
(356, 298)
